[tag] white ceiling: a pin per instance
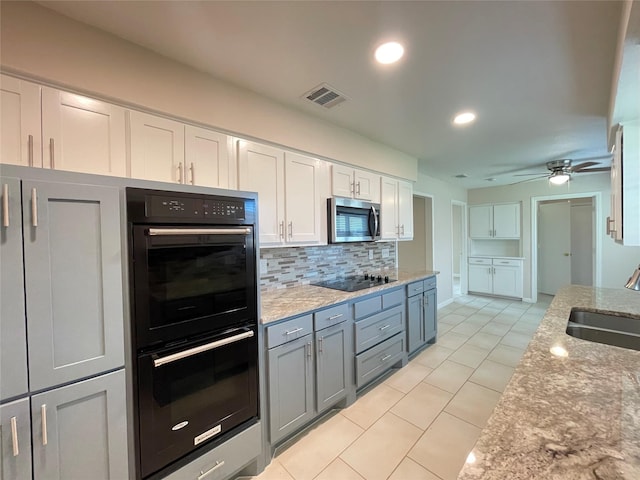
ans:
(538, 73)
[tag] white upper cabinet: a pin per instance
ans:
(157, 148)
(20, 122)
(353, 183)
(396, 209)
(290, 193)
(495, 221)
(207, 158)
(82, 134)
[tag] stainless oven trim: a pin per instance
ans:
(199, 231)
(158, 362)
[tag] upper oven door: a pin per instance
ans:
(189, 281)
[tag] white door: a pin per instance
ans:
(341, 181)
(480, 278)
(206, 157)
(554, 246)
(388, 209)
(261, 169)
(157, 148)
(481, 221)
(302, 199)
(507, 281)
(582, 244)
(20, 122)
(506, 221)
(82, 134)
(405, 210)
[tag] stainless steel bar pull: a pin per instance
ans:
(211, 470)
(30, 149)
(52, 154)
(158, 362)
(34, 207)
(180, 173)
(199, 231)
(43, 413)
(192, 169)
(5, 205)
(14, 436)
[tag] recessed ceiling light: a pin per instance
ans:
(389, 52)
(491, 179)
(462, 175)
(464, 117)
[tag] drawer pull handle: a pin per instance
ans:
(295, 330)
(385, 358)
(34, 207)
(334, 317)
(43, 413)
(504, 262)
(211, 470)
(14, 436)
(384, 328)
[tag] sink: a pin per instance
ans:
(618, 330)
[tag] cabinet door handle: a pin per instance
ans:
(358, 188)
(382, 329)
(180, 172)
(43, 413)
(52, 155)
(385, 358)
(282, 230)
(34, 207)
(403, 229)
(308, 348)
(192, 169)
(290, 230)
(211, 470)
(491, 233)
(610, 222)
(320, 345)
(14, 436)
(295, 330)
(30, 150)
(334, 317)
(5, 205)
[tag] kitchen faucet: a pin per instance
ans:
(634, 280)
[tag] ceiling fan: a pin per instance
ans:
(560, 171)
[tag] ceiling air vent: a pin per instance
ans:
(325, 95)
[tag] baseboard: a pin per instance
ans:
(528, 300)
(445, 303)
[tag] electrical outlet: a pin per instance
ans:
(370, 254)
(263, 266)
(385, 253)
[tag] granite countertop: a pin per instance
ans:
(287, 302)
(573, 417)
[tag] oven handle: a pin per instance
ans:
(158, 362)
(198, 231)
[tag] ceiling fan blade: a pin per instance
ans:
(599, 169)
(528, 174)
(583, 165)
(529, 180)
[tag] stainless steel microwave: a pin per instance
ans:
(353, 220)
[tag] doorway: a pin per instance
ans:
(567, 248)
(458, 248)
(417, 254)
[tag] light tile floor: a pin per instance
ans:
(421, 422)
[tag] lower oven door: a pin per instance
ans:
(193, 393)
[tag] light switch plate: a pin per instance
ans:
(370, 254)
(385, 253)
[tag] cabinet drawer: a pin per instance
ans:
(430, 283)
(391, 299)
(331, 316)
(225, 460)
(290, 330)
(415, 288)
(378, 327)
(479, 261)
(376, 361)
(367, 307)
(507, 262)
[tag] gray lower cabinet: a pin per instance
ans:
(291, 382)
(79, 430)
(73, 281)
(333, 364)
(13, 334)
(15, 440)
(421, 313)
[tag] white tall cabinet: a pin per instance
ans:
(396, 209)
(290, 188)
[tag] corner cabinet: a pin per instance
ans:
(309, 367)
(495, 221)
(291, 189)
(396, 209)
(421, 313)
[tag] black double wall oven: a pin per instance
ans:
(193, 291)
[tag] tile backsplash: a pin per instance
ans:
(287, 267)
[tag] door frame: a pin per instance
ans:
(597, 242)
(425, 195)
(464, 243)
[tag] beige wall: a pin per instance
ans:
(413, 255)
(443, 193)
(617, 261)
(41, 44)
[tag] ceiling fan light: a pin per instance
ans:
(559, 178)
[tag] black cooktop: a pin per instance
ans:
(353, 283)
